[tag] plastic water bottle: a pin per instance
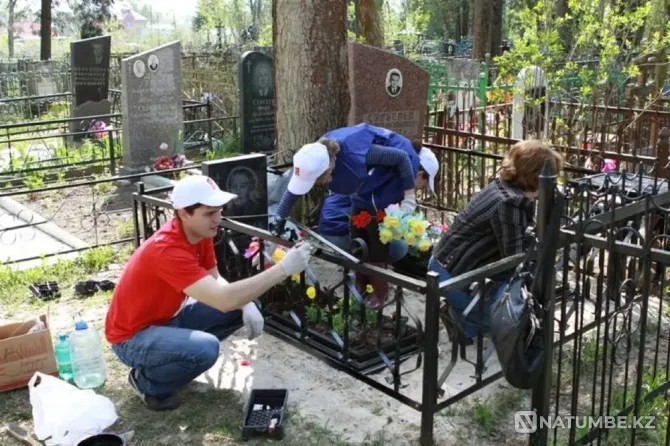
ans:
(62, 351)
(88, 365)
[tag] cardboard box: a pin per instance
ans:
(22, 354)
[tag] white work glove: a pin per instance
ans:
(253, 320)
(408, 204)
(296, 259)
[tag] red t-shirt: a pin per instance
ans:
(151, 287)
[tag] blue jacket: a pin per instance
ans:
(384, 185)
(335, 215)
(350, 170)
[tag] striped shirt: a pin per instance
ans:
(491, 227)
(376, 156)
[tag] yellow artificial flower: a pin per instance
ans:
(385, 235)
(311, 292)
(369, 289)
(418, 228)
(296, 278)
(391, 221)
(410, 238)
(424, 245)
(278, 255)
(397, 235)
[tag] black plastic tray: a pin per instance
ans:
(257, 422)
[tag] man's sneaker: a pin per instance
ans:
(153, 403)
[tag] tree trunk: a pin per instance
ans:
(464, 22)
(369, 22)
(10, 27)
(561, 10)
(481, 29)
(310, 71)
(45, 30)
(496, 25)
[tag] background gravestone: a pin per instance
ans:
(257, 103)
(530, 121)
(387, 90)
(246, 177)
(152, 105)
(89, 59)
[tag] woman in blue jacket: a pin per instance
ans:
(373, 166)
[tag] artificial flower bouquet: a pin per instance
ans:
(165, 162)
(396, 225)
(417, 232)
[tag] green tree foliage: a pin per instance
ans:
(234, 16)
(599, 58)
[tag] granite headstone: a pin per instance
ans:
(152, 105)
(89, 60)
(246, 177)
(387, 90)
(90, 69)
(257, 103)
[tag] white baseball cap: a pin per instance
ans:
(309, 163)
(199, 189)
(428, 161)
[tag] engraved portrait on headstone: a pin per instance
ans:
(243, 182)
(263, 79)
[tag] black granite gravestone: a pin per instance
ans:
(246, 177)
(89, 60)
(90, 69)
(257, 103)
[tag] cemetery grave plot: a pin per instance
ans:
(95, 213)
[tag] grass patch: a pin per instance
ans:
(491, 416)
(14, 284)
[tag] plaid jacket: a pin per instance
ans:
(490, 227)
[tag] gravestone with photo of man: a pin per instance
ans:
(257, 103)
(152, 106)
(89, 61)
(387, 90)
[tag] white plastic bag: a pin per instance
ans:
(66, 414)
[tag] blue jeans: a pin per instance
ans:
(166, 358)
(397, 248)
(459, 301)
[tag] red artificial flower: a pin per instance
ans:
(380, 216)
(362, 219)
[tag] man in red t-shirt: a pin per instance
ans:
(167, 338)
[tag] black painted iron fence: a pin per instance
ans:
(321, 311)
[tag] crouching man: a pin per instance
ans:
(166, 338)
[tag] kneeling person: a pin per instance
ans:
(165, 337)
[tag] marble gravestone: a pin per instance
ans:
(257, 103)
(89, 59)
(387, 90)
(152, 106)
(246, 177)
